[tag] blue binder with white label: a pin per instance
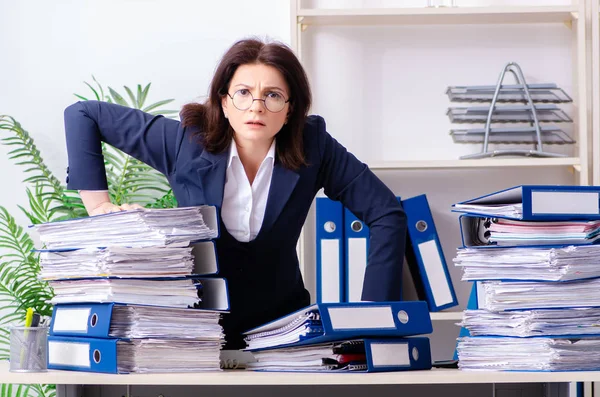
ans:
(326, 322)
(115, 320)
(397, 354)
(330, 250)
(82, 354)
(425, 256)
(378, 355)
(356, 237)
(536, 203)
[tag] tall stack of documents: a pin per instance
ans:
(344, 337)
(531, 253)
(133, 291)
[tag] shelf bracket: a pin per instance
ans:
(569, 24)
(302, 26)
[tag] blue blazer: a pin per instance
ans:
(264, 272)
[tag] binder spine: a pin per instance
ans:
(330, 250)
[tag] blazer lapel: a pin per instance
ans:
(212, 177)
(283, 183)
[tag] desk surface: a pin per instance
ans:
(241, 377)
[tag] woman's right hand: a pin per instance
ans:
(108, 207)
(98, 203)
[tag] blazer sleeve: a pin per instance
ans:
(151, 139)
(348, 180)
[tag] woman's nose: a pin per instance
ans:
(258, 105)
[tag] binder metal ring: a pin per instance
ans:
(94, 320)
(97, 356)
(402, 316)
(356, 226)
(329, 226)
(421, 226)
(415, 353)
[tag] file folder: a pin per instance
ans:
(356, 234)
(370, 355)
(198, 258)
(215, 294)
(199, 292)
(412, 353)
(82, 354)
(339, 321)
(82, 319)
(425, 256)
(135, 355)
(114, 320)
(330, 250)
(205, 258)
(537, 203)
(483, 232)
(473, 231)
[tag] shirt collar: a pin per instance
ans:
(233, 152)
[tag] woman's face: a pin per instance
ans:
(256, 103)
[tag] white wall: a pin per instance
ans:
(50, 48)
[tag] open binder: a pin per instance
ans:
(327, 322)
(355, 355)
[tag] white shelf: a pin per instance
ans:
(241, 377)
(425, 15)
(477, 163)
(446, 316)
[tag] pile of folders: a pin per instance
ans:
(344, 337)
(530, 251)
(129, 295)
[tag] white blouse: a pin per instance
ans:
(243, 208)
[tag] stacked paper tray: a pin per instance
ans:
(540, 93)
(508, 114)
(512, 135)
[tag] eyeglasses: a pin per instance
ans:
(243, 100)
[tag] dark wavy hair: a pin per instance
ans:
(214, 130)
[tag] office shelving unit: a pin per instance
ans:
(572, 16)
(303, 18)
(594, 9)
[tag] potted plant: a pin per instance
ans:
(129, 180)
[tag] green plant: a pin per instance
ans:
(49, 200)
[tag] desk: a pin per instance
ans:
(247, 378)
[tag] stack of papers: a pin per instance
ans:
(521, 295)
(159, 292)
(513, 232)
(502, 210)
(529, 354)
(116, 261)
(302, 327)
(528, 323)
(133, 321)
(167, 355)
(344, 356)
(539, 264)
(134, 228)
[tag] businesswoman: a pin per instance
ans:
(252, 151)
